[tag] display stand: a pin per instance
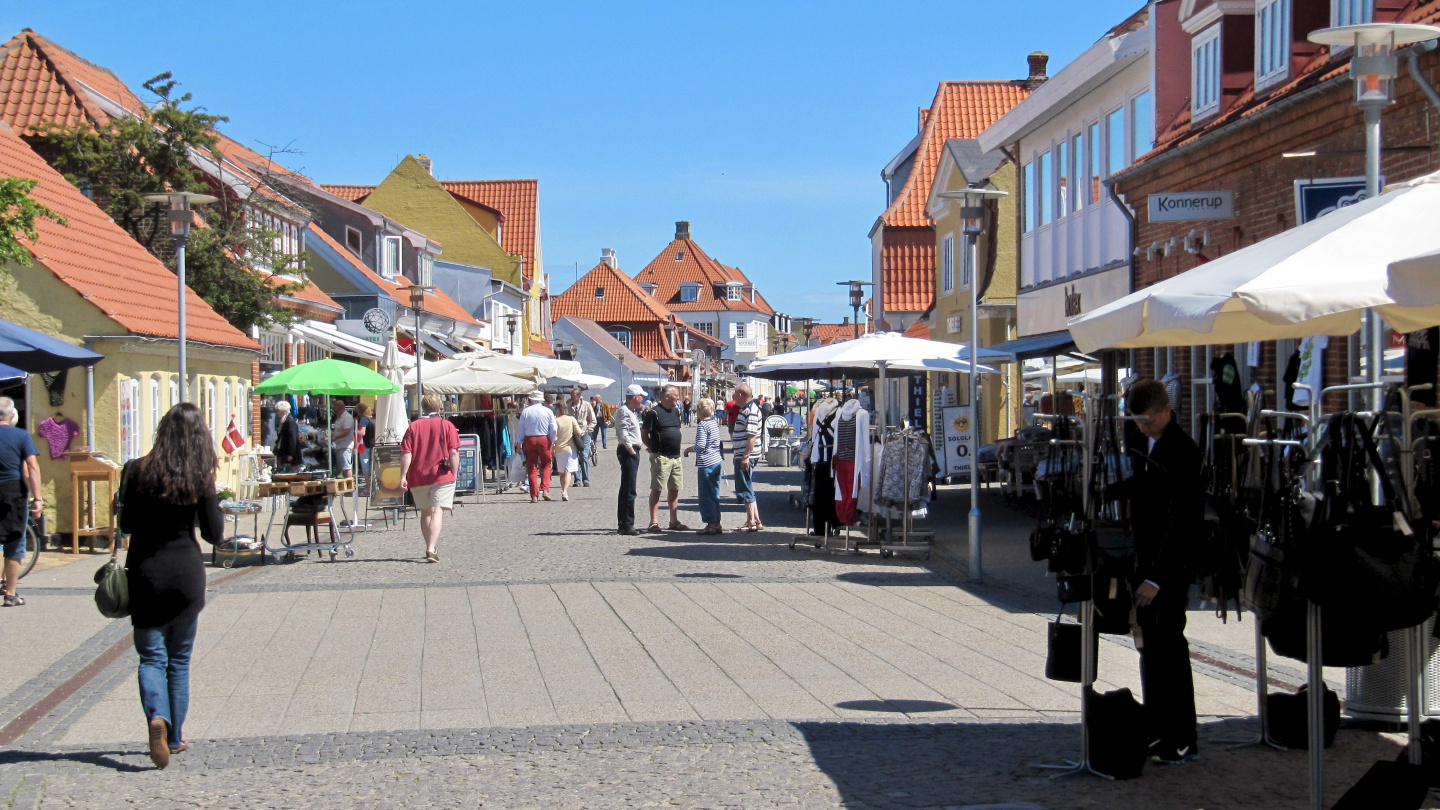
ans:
(86, 470)
(329, 488)
(910, 538)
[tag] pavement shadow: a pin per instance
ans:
(100, 759)
(943, 763)
(919, 577)
(897, 706)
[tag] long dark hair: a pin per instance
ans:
(180, 468)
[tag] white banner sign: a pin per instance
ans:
(1188, 205)
(958, 427)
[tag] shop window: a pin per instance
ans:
(129, 419)
(1351, 12)
(1045, 183)
(621, 335)
(1028, 184)
(947, 265)
(1142, 125)
(1115, 142)
(1093, 163)
(1077, 162)
(1272, 41)
(1062, 180)
(1205, 73)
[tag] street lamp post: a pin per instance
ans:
(972, 211)
(807, 325)
(512, 322)
(182, 216)
(1373, 67)
(417, 305)
(857, 298)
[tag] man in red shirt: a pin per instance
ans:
(732, 412)
(429, 457)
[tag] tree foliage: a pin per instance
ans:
(18, 214)
(231, 262)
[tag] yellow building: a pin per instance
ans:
(90, 284)
(996, 263)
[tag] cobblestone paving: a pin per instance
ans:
(927, 691)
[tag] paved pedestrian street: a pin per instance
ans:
(546, 662)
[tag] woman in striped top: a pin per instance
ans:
(707, 464)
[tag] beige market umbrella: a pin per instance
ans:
(391, 421)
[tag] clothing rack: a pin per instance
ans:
(910, 539)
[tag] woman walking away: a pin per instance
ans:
(568, 447)
(708, 464)
(166, 494)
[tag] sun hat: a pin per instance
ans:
(537, 396)
(634, 391)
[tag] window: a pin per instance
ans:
(352, 240)
(732, 292)
(599, 292)
(129, 419)
(1077, 186)
(226, 402)
(390, 257)
(1141, 125)
(427, 270)
(1093, 164)
(1205, 72)
(689, 292)
(1028, 181)
(679, 255)
(1272, 41)
(947, 264)
(1046, 182)
(174, 391)
(154, 405)
(708, 327)
(210, 406)
(1062, 180)
(1351, 12)
(242, 409)
(621, 334)
(1115, 142)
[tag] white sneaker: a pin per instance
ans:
(564, 496)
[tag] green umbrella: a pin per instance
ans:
(332, 377)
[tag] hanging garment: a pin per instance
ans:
(906, 469)
(822, 500)
(852, 458)
(1225, 380)
(58, 434)
(1312, 352)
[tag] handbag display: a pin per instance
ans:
(1062, 652)
(112, 584)
(1289, 717)
(1118, 744)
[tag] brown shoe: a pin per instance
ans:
(680, 527)
(159, 747)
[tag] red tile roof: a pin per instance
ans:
(667, 273)
(435, 300)
(919, 329)
(540, 346)
(823, 334)
(41, 81)
(314, 295)
(624, 300)
(959, 110)
(517, 201)
(98, 259)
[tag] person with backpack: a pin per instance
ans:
(1167, 504)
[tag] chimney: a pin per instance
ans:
(424, 160)
(607, 257)
(1038, 60)
(846, 321)
(682, 230)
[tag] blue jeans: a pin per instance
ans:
(744, 486)
(600, 429)
(585, 443)
(165, 672)
(710, 493)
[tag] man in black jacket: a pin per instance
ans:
(1167, 506)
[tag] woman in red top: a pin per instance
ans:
(429, 457)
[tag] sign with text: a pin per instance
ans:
(958, 427)
(467, 478)
(1187, 205)
(919, 390)
(1049, 308)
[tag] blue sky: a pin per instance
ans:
(765, 124)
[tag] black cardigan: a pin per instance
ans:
(1167, 500)
(165, 566)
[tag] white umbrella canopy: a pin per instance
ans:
(1415, 283)
(1316, 279)
(469, 380)
(501, 364)
(868, 352)
(391, 421)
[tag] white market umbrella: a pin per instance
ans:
(873, 352)
(391, 421)
(1315, 279)
(469, 380)
(499, 364)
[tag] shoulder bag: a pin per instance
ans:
(112, 586)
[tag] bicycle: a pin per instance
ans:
(594, 451)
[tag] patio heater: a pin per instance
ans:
(972, 212)
(181, 216)
(1373, 67)
(857, 298)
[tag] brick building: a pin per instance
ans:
(1280, 140)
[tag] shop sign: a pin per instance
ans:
(1189, 205)
(1049, 309)
(958, 427)
(919, 391)
(467, 478)
(1316, 198)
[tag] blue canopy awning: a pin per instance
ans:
(30, 352)
(1036, 346)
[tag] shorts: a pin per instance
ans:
(567, 461)
(15, 548)
(342, 458)
(430, 496)
(744, 485)
(666, 472)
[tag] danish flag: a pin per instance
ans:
(233, 440)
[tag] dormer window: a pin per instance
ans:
(599, 292)
(732, 292)
(689, 292)
(679, 255)
(649, 288)
(352, 241)
(389, 257)
(1205, 73)
(1351, 12)
(1272, 41)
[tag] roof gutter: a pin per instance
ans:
(1412, 61)
(156, 339)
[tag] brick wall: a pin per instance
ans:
(1248, 163)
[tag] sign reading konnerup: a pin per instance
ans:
(1188, 205)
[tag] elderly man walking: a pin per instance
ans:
(661, 432)
(627, 451)
(538, 431)
(584, 416)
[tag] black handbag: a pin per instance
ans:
(1118, 744)
(1072, 588)
(1042, 541)
(1113, 595)
(1345, 642)
(1062, 652)
(1289, 717)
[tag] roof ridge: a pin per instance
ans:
(63, 76)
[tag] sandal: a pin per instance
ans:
(183, 747)
(755, 528)
(680, 527)
(14, 601)
(744, 528)
(654, 527)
